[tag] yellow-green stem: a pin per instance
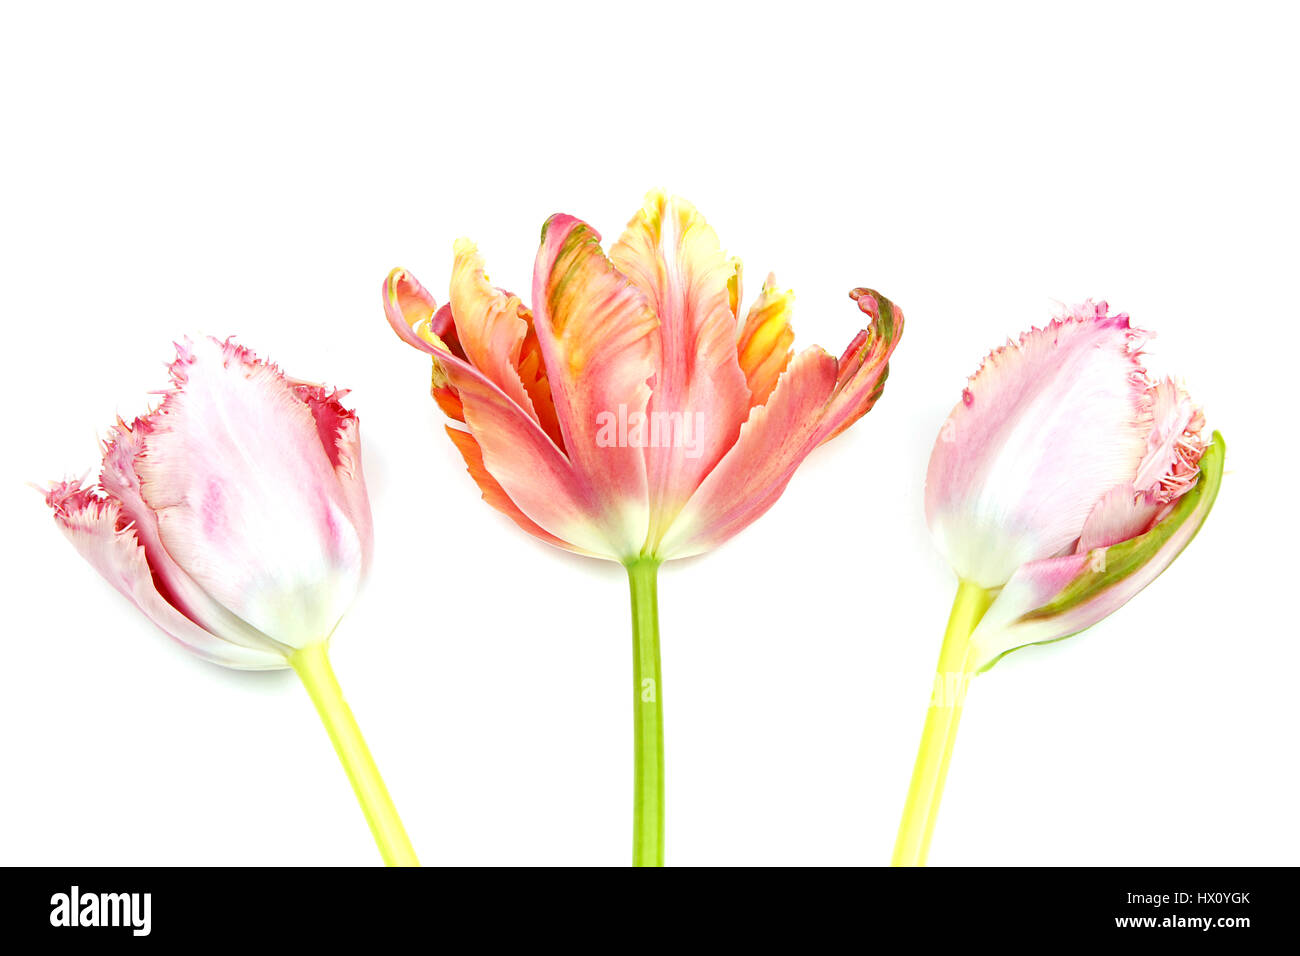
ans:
(313, 667)
(950, 682)
(647, 717)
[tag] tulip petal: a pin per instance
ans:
(1053, 599)
(764, 345)
(673, 256)
(1174, 445)
(247, 498)
(735, 287)
(107, 539)
(1045, 428)
(340, 436)
(533, 473)
(1121, 514)
(864, 366)
(754, 473)
(529, 468)
(412, 310)
(537, 383)
(815, 399)
(495, 495)
(121, 482)
(595, 331)
(496, 333)
(489, 324)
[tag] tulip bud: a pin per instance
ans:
(235, 514)
(1066, 478)
(235, 517)
(1062, 483)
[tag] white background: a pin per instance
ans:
(257, 170)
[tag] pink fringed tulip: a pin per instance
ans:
(1065, 473)
(1063, 482)
(235, 517)
(634, 412)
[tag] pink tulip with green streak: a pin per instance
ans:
(634, 412)
(235, 517)
(1064, 481)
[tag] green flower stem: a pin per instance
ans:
(647, 716)
(951, 680)
(313, 667)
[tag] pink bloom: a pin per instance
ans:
(634, 411)
(1067, 478)
(235, 514)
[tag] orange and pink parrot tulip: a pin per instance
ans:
(633, 411)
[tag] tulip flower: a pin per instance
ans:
(1064, 481)
(634, 413)
(235, 517)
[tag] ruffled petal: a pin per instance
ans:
(1121, 514)
(754, 473)
(864, 366)
(699, 397)
(1044, 429)
(107, 539)
(1049, 600)
(489, 324)
(246, 496)
(411, 311)
(764, 345)
(815, 399)
(1174, 445)
(595, 331)
(532, 472)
